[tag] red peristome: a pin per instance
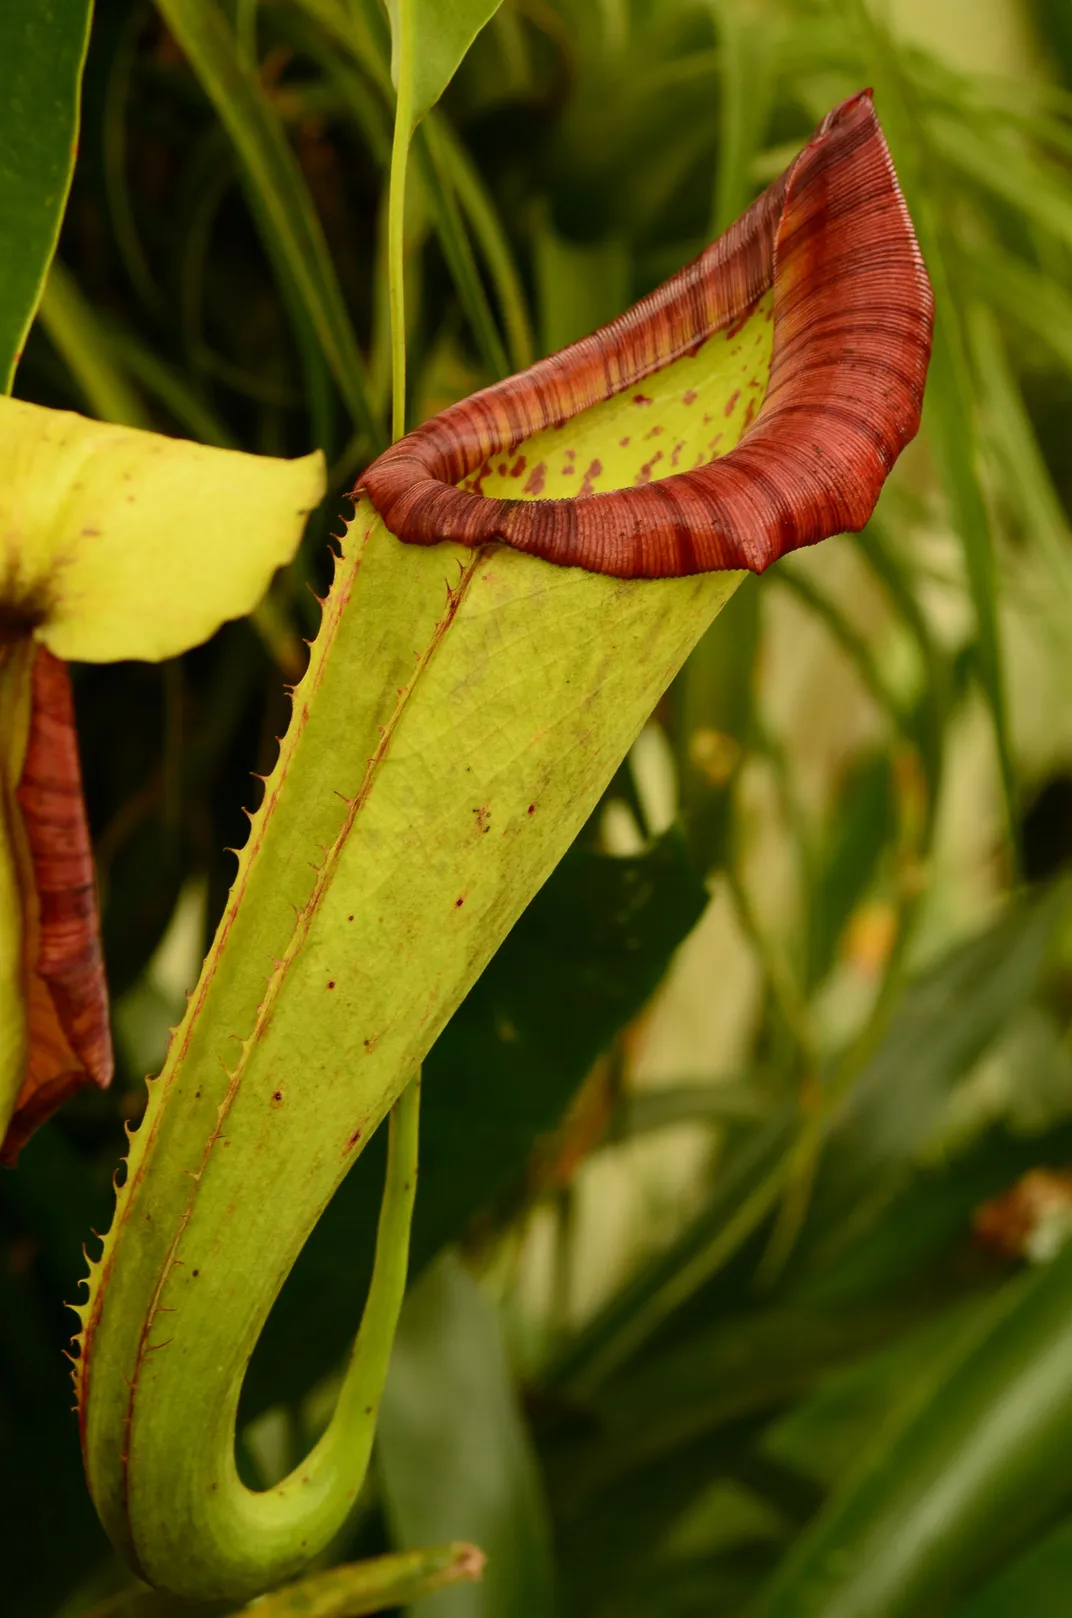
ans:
(70, 1044)
(853, 317)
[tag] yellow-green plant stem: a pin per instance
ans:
(396, 219)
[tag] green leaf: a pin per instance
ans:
(580, 285)
(290, 229)
(454, 1457)
(950, 412)
(1033, 1583)
(43, 47)
(863, 827)
(946, 1019)
(745, 1194)
(744, 1365)
(429, 39)
(134, 545)
(964, 1473)
(745, 61)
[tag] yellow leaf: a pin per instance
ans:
(117, 543)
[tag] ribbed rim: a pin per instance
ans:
(853, 319)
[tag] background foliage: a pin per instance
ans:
(718, 1154)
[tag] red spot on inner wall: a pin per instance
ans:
(654, 432)
(749, 414)
(675, 457)
(502, 469)
(644, 475)
(518, 467)
(641, 399)
(622, 442)
(485, 471)
(594, 469)
(689, 397)
(731, 402)
(738, 325)
(537, 478)
(713, 443)
(708, 418)
(568, 470)
(570, 454)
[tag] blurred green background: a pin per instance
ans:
(762, 1116)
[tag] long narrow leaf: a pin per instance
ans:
(42, 49)
(291, 231)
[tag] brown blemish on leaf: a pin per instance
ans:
(689, 396)
(641, 399)
(644, 475)
(595, 468)
(518, 467)
(731, 402)
(536, 479)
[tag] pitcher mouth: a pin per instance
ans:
(832, 240)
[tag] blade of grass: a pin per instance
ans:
(744, 1198)
(1035, 302)
(1004, 170)
(745, 72)
(71, 327)
(114, 155)
(291, 231)
(950, 415)
(432, 154)
(852, 643)
(968, 1468)
(491, 238)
